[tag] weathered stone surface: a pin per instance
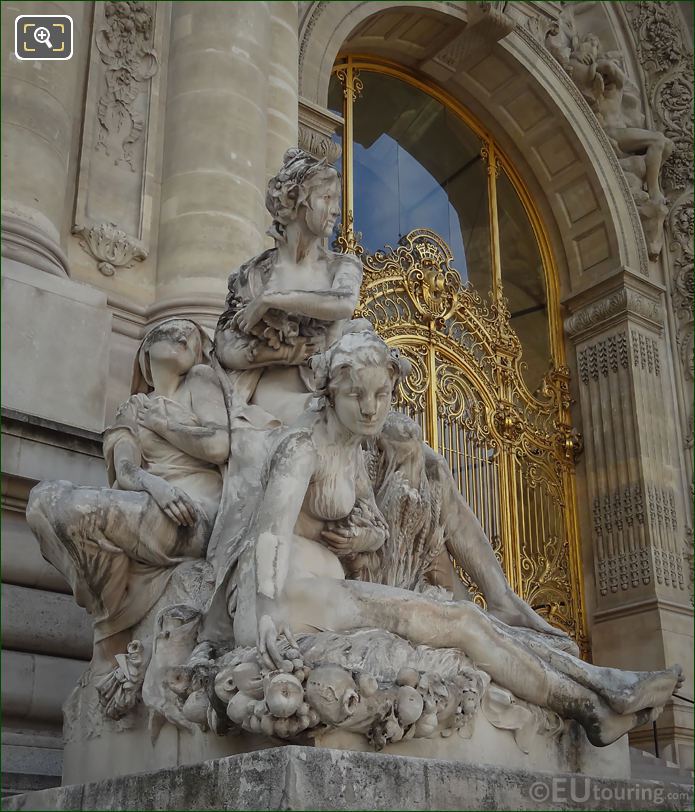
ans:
(306, 778)
(47, 323)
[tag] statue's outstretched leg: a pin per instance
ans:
(493, 647)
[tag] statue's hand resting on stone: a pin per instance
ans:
(276, 644)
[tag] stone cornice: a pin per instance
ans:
(597, 309)
(639, 607)
(51, 432)
(316, 128)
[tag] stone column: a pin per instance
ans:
(635, 493)
(39, 101)
(213, 182)
(282, 90)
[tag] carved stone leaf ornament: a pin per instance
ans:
(673, 103)
(319, 145)
(683, 293)
(111, 247)
(115, 228)
(125, 45)
(659, 40)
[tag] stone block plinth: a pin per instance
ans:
(310, 778)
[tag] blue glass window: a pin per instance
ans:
(416, 165)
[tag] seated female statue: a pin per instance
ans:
(117, 546)
(291, 301)
(313, 479)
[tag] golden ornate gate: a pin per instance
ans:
(511, 452)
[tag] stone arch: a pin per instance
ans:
(521, 95)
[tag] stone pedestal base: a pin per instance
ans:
(310, 778)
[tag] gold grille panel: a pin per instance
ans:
(510, 451)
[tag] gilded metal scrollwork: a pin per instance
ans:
(348, 240)
(511, 451)
(411, 394)
(546, 580)
(352, 84)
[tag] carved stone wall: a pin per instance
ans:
(316, 129)
(623, 335)
(633, 485)
(631, 456)
(665, 54)
(113, 211)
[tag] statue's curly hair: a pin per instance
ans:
(292, 185)
(359, 347)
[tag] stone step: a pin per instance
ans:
(649, 767)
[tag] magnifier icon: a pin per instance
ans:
(43, 36)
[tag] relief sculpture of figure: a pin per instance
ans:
(602, 81)
(619, 115)
(313, 478)
(165, 453)
(641, 152)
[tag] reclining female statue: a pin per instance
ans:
(117, 546)
(289, 581)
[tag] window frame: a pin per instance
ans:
(347, 68)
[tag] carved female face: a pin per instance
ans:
(362, 398)
(177, 349)
(322, 206)
(184, 344)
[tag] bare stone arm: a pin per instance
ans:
(129, 473)
(612, 71)
(175, 503)
(328, 305)
(238, 351)
(333, 304)
(467, 543)
(209, 442)
(294, 463)
(291, 470)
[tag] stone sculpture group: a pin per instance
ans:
(274, 554)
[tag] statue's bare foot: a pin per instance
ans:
(648, 689)
(611, 726)
(513, 611)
